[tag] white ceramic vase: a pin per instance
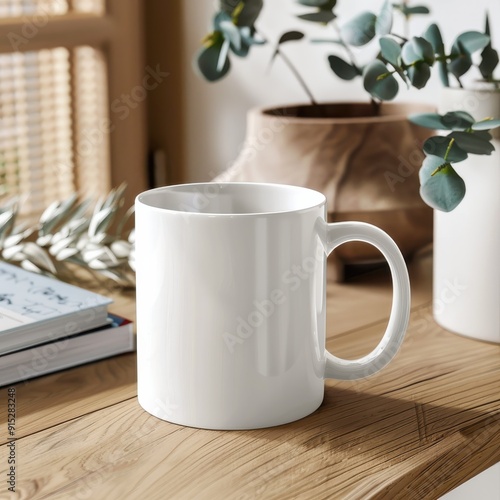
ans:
(467, 240)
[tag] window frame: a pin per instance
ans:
(118, 33)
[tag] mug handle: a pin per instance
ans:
(334, 234)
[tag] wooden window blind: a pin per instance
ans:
(61, 64)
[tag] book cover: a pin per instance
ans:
(34, 308)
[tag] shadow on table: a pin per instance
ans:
(355, 434)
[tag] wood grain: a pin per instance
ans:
(427, 423)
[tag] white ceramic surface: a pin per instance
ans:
(466, 282)
(231, 303)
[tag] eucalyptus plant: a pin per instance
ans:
(398, 59)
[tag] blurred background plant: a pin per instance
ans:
(73, 235)
(397, 58)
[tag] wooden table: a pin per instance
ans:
(427, 423)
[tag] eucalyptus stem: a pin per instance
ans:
(448, 149)
(347, 49)
(375, 104)
(297, 75)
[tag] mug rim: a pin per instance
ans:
(140, 198)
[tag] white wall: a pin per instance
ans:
(215, 113)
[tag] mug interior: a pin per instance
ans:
(232, 198)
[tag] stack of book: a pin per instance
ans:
(47, 325)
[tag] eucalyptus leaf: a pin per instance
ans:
(360, 30)
(430, 165)
(461, 62)
(390, 50)
(223, 55)
(466, 44)
(290, 36)
(322, 16)
(383, 24)
(472, 143)
(419, 74)
(443, 73)
(484, 134)
(231, 33)
(489, 56)
(219, 18)
(408, 11)
(489, 62)
(342, 68)
(417, 9)
(457, 120)
(417, 49)
(251, 37)
(428, 120)
(434, 37)
(486, 124)
(228, 6)
(439, 145)
(326, 4)
(472, 41)
(379, 82)
(443, 189)
(207, 61)
(242, 51)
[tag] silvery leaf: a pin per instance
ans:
(99, 239)
(14, 253)
(66, 253)
(44, 240)
(98, 264)
(117, 276)
(91, 254)
(13, 240)
(59, 245)
(61, 211)
(39, 256)
(121, 248)
(29, 266)
(49, 212)
(100, 220)
(78, 225)
(6, 222)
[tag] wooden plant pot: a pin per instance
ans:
(367, 167)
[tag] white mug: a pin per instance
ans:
(231, 302)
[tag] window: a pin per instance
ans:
(63, 63)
